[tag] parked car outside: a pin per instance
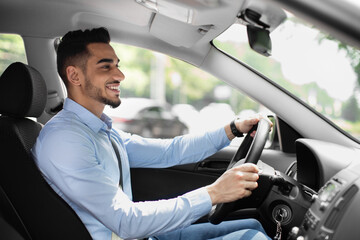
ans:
(146, 117)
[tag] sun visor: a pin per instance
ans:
(177, 33)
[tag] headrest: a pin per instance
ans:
(23, 91)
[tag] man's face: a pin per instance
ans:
(102, 75)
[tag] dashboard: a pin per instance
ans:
(318, 161)
(334, 172)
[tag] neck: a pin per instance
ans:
(90, 104)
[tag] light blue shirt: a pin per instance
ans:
(75, 155)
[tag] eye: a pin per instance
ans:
(106, 67)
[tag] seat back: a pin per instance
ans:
(41, 212)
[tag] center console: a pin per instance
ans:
(335, 211)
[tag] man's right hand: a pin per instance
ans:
(234, 184)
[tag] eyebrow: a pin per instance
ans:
(107, 60)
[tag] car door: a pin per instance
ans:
(155, 184)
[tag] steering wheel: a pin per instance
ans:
(250, 150)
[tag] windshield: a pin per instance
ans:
(321, 71)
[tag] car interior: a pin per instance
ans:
(310, 176)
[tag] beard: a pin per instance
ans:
(95, 93)
(106, 101)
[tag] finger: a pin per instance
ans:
(253, 133)
(261, 116)
(251, 185)
(245, 177)
(250, 176)
(246, 193)
(252, 121)
(246, 124)
(247, 167)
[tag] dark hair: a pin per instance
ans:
(72, 49)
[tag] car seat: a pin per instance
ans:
(27, 203)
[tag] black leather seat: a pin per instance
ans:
(27, 202)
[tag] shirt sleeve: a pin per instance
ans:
(72, 167)
(161, 153)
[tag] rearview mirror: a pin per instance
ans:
(259, 40)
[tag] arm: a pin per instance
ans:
(69, 162)
(239, 181)
(161, 153)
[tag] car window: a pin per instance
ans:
(312, 65)
(200, 101)
(11, 50)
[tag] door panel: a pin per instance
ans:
(154, 184)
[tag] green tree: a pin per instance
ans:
(136, 66)
(195, 83)
(350, 110)
(11, 50)
(353, 54)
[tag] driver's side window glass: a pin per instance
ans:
(200, 101)
(11, 50)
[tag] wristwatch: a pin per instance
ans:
(234, 130)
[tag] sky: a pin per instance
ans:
(304, 60)
(355, 2)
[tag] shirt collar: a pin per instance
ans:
(87, 117)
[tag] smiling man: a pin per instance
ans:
(75, 154)
(95, 82)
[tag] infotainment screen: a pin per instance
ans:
(328, 192)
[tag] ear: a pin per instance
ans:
(73, 75)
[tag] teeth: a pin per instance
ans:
(114, 87)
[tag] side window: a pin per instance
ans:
(11, 50)
(199, 101)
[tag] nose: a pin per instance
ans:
(119, 75)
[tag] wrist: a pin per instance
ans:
(213, 195)
(234, 130)
(228, 132)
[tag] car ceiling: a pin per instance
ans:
(128, 21)
(131, 22)
(118, 16)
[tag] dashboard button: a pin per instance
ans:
(323, 206)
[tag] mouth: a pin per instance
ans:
(114, 87)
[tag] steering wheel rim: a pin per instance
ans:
(250, 149)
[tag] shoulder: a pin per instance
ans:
(121, 134)
(62, 128)
(63, 140)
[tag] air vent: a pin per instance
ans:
(339, 208)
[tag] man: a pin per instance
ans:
(75, 154)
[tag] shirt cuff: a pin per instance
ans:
(200, 202)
